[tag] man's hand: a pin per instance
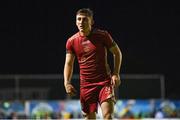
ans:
(116, 80)
(70, 90)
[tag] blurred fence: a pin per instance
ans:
(50, 86)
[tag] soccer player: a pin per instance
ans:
(97, 82)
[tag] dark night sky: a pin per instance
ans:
(33, 35)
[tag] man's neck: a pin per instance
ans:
(85, 33)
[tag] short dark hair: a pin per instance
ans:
(85, 11)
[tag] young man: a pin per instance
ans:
(97, 82)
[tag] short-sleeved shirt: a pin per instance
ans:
(91, 52)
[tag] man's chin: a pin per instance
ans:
(81, 30)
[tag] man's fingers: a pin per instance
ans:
(74, 90)
(115, 82)
(71, 91)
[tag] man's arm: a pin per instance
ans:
(117, 64)
(68, 71)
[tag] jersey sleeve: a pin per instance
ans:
(108, 41)
(69, 46)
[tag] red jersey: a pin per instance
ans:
(91, 53)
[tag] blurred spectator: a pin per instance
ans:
(159, 114)
(2, 114)
(57, 115)
(13, 116)
(168, 108)
(126, 112)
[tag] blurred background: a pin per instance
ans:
(33, 35)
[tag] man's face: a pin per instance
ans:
(84, 22)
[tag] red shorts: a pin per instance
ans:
(91, 96)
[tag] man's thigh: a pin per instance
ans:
(89, 99)
(107, 107)
(107, 94)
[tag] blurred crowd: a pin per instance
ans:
(124, 109)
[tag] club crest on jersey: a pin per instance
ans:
(85, 45)
(86, 48)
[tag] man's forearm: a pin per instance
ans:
(117, 62)
(68, 70)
